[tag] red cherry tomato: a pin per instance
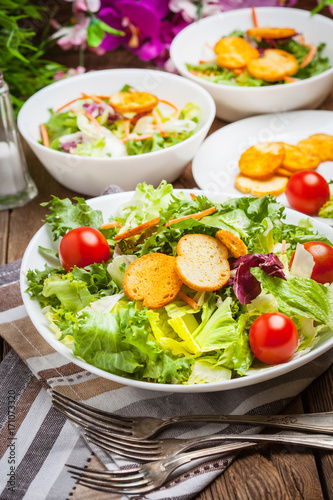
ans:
(83, 246)
(273, 338)
(307, 191)
(322, 255)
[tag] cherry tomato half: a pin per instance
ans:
(322, 255)
(307, 191)
(273, 338)
(83, 246)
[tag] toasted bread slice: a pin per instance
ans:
(275, 185)
(273, 65)
(297, 159)
(320, 145)
(202, 262)
(152, 279)
(262, 160)
(284, 172)
(235, 245)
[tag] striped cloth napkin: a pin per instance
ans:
(36, 441)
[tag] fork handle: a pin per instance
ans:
(314, 441)
(314, 422)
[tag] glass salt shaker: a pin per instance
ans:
(16, 185)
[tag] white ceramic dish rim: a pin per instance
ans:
(235, 383)
(232, 88)
(79, 78)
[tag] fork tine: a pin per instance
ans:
(86, 421)
(88, 410)
(108, 473)
(125, 442)
(124, 453)
(109, 488)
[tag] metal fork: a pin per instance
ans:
(145, 427)
(154, 450)
(149, 476)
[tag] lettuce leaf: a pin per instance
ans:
(299, 297)
(72, 294)
(119, 343)
(66, 215)
(219, 331)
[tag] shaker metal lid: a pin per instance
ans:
(1, 79)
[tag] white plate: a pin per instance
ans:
(32, 259)
(215, 165)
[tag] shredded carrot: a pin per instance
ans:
(93, 97)
(89, 116)
(187, 299)
(138, 138)
(283, 247)
(159, 123)
(310, 55)
(238, 71)
(209, 46)
(111, 225)
(199, 215)
(177, 110)
(127, 129)
(301, 39)
(138, 229)
(289, 79)
(254, 17)
(68, 104)
(45, 135)
(193, 196)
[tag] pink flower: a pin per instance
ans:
(85, 5)
(70, 72)
(191, 10)
(73, 36)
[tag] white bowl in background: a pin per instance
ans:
(235, 102)
(91, 176)
(109, 205)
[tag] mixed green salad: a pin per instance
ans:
(179, 344)
(123, 124)
(311, 61)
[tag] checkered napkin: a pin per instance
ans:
(36, 441)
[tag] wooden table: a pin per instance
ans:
(273, 473)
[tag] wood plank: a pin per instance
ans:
(277, 472)
(319, 397)
(4, 221)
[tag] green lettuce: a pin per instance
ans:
(299, 297)
(219, 331)
(72, 294)
(119, 343)
(66, 215)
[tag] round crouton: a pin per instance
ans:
(152, 279)
(234, 244)
(202, 262)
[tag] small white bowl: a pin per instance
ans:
(233, 102)
(91, 176)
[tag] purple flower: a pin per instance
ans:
(141, 20)
(70, 72)
(85, 5)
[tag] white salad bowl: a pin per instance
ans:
(109, 205)
(235, 102)
(91, 176)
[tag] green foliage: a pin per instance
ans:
(21, 55)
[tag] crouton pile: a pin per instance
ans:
(266, 167)
(201, 263)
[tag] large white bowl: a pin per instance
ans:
(234, 103)
(109, 204)
(92, 175)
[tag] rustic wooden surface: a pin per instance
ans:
(274, 472)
